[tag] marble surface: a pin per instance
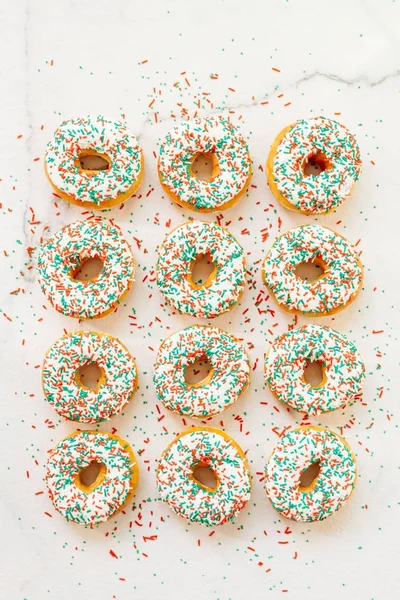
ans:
(266, 63)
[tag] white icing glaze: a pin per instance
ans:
(62, 389)
(215, 136)
(230, 367)
(70, 457)
(64, 252)
(176, 254)
(337, 287)
(101, 136)
(316, 193)
(343, 369)
(190, 499)
(295, 452)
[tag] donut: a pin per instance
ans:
(94, 136)
(62, 256)
(227, 150)
(115, 483)
(318, 142)
(63, 388)
(335, 289)
(224, 287)
(342, 367)
(297, 450)
(195, 501)
(227, 380)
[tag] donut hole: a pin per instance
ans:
(92, 161)
(310, 271)
(204, 476)
(91, 477)
(204, 166)
(202, 271)
(314, 373)
(309, 476)
(198, 372)
(90, 376)
(315, 164)
(88, 270)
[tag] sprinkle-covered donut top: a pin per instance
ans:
(214, 136)
(343, 369)
(295, 452)
(227, 380)
(336, 288)
(204, 446)
(113, 487)
(69, 396)
(112, 140)
(65, 251)
(331, 144)
(175, 257)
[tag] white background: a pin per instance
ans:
(69, 58)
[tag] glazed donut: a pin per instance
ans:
(222, 143)
(342, 366)
(320, 142)
(296, 451)
(335, 289)
(63, 388)
(224, 287)
(188, 498)
(227, 380)
(113, 488)
(94, 136)
(62, 257)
